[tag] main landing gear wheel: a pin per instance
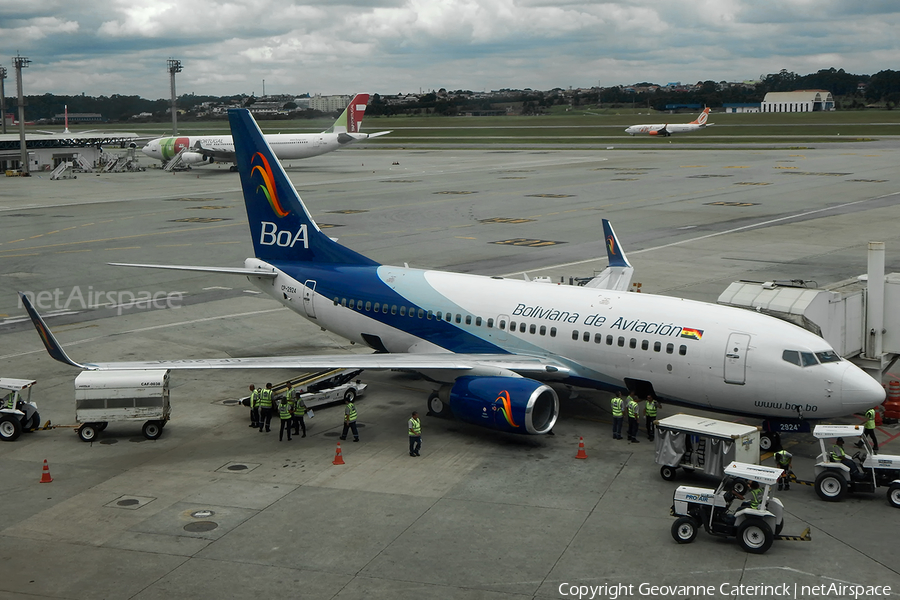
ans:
(152, 430)
(88, 432)
(10, 428)
(755, 536)
(684, 530)
(436, 406)
(831, 487)
(766, 442)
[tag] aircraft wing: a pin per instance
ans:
(226, 270)
(617, 276)
(447, 361)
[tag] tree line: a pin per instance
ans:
(849, 90)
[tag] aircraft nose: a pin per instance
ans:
(859, 391)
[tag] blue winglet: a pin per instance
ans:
(281, 227)
(614, 251)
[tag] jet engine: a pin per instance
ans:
(510, 404)
(192, 158)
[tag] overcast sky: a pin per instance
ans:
(401, 46)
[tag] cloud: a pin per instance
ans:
(391, 46)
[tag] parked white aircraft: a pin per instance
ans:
(491, 345)
(667, 129)
(205, 149)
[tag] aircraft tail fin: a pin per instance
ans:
(281, 226)
(701, 120)
(54, 348)
(616, 276)
(351, 119)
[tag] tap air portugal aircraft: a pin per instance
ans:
(205, 149)
(492, 345)
(667, 129)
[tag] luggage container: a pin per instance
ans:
(703, 444)
(103, 397)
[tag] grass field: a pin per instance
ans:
(580, 126)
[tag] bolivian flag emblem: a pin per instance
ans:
(694, 334)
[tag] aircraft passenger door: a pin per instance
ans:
(309, 293)
(501, 330)
(736, 358)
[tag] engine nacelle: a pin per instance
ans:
(511, 404)
(192, 158)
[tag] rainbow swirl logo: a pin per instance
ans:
(504, 405)
(268, 184)
(611, 244)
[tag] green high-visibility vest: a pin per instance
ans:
(265, 399)
(650, 408)
(416, 427)
(837, 453)
(350, 412)
(870, 419)
(783, 457)
(254, 398)
(284, 410)
(755, 497)
(616, 406)
(632, 408)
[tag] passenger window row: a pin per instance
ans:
(412, 312)
(632, 342)
(526, 328)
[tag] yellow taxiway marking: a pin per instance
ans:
(172, 245)
(214, 243)
(125, 248)
(463, 237)
(736, 167)
(73, 251)
(692, 166)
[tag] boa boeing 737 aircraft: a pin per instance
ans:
(492, 345)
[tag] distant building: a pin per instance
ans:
(798, 101)
(753, 107)
(329, 104)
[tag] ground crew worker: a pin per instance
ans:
(650, 409)
(783, 461)
(254, 406)
(633, 411)
(869, 430)
(286, 413)
(838, 455)
(265, 407)
(350, 420)
(616, 405)
(755, 498)
(415, 434)
(299, 412)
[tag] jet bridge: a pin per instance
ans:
(848, 314)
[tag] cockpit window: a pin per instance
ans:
(807, 359)
(791, 356)
(828, 356)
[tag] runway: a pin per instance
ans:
(479, 515)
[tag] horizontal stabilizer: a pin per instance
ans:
(617, 276)
(226, 270)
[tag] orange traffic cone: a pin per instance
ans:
(338, 459)
(45, 476)
(581, 452)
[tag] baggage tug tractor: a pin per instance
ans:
(834, 479)
(755, 528)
